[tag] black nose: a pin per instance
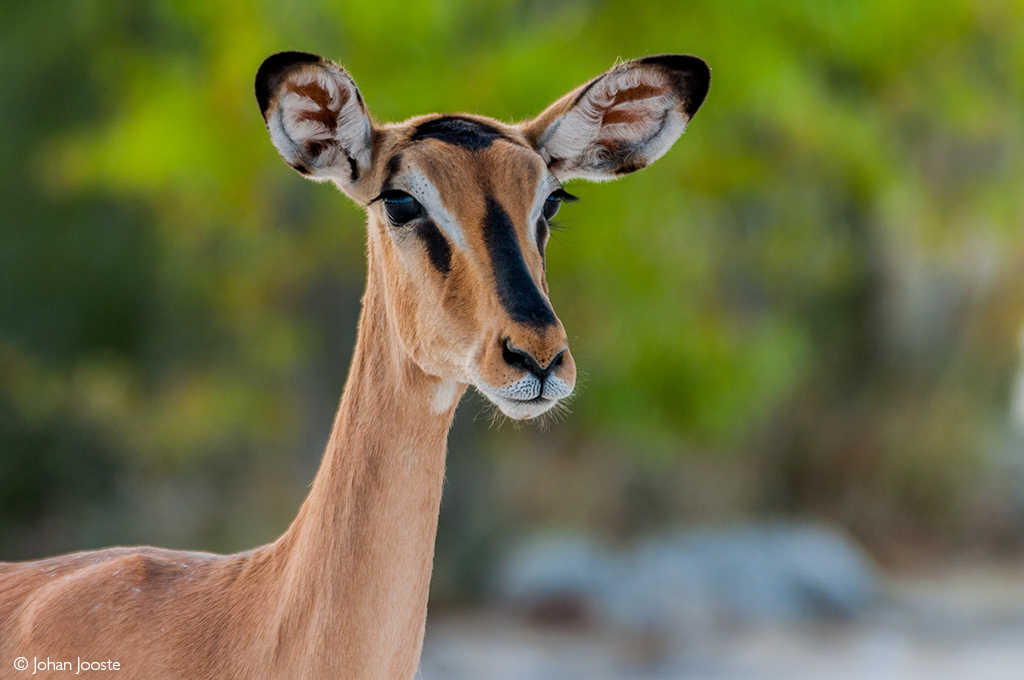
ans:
(520, 359)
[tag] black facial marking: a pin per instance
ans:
(353, 169)
(469, 134)
(391, 169)
(438, 249)
(517, 291)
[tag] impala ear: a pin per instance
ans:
(316, 117)
(621, 121)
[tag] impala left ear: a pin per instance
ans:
(621, 121)
(316, 118)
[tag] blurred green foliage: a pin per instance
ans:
(820, 287)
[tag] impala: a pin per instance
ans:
(458, 214)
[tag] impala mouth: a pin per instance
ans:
(522, 409)
(515, 407)
(532, 393)
(539, 399)
(536, 401)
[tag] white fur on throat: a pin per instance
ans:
(446, 392)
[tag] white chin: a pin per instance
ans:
(522, 410)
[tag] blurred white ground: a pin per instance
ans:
(962, 624)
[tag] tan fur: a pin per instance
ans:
(444, 323)
(343, 593)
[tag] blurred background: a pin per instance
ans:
(797, 447)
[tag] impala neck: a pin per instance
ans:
(359, 555)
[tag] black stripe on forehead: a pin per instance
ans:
(468, 134)
(391, 169)
(517, 291)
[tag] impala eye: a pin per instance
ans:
(401, 207)
(551, 206)
(554, 202)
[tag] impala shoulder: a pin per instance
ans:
(115, 580)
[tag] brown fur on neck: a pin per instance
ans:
(340, 594)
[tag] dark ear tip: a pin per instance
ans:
(273, 69)
(693, 74)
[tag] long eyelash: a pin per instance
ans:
(556, 225)
(384, 194)
(564, 195)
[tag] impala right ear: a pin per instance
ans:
(316, 117)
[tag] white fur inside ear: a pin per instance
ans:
(320, 123)
(632, 115)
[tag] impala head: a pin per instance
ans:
(459, 205)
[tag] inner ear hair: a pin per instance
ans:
(316, 117)
(623, 120)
